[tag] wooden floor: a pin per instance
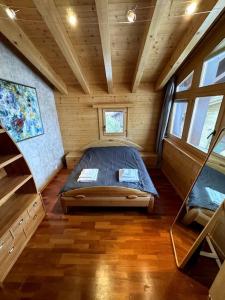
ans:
(102, 254)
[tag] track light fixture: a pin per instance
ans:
(131, 15)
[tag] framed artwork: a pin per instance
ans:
(19, 111)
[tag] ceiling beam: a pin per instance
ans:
(147, 43)
(50, 14)
(14, 33)
(195, 32)
(103, 21)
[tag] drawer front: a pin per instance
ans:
(34, 221)
(35, 206)
(17, 228)
(6, 241)
(10, 256)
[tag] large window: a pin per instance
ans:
(177, 118)
(213, 71)
(203, 122)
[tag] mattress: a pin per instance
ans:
(209, 190)
(109, 160)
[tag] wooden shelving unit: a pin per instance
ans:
(2, 130)
(10, 184)
(8, 159)
(21, 207)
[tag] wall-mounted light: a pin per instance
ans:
(191, 8)
(131, 15)
(71, 17)
(10, 13)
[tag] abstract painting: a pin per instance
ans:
(19, 111)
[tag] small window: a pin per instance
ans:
(114, 121)
(213, 71)
(186, 83)
(177, 118)
(204, 117)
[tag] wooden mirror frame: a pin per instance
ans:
(210, 224)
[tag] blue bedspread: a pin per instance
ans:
(109, 160)
(209, 190)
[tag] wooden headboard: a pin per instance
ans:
(112, 142)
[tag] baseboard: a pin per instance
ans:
(50, 178)
(173, 184)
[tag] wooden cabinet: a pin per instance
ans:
(21, 207)
(72, 159)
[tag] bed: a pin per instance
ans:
(206, 196)
(107, 190)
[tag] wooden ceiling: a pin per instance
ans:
(103, 44)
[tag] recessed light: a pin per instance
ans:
(191, 8)
(131, 15)
(10, 13)
(71, 18)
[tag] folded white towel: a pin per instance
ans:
(128, 175)
(88, 175)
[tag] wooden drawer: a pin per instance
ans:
(6, 241)
(17, 229)
(34, 207)
(10, 256)
(34, 221)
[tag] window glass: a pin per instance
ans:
(203, 121)
(178, 117)
(114, 122)
(213, 71)
(186, 83)
(220, 147)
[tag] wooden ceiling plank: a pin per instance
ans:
(193, 35)
(14, 33)
(147, 44)
(103, 20)
(50, 14)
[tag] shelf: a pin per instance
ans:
(8, 159)
(10, 184)
(13, 208)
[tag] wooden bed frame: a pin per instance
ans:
(110, 196)
(106, 196)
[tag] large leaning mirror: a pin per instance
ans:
(202, 207)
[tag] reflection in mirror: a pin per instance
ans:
(201, 205)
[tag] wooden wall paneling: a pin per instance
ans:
(194, 34)
(181, 169)
(103, 20)
(14, 33)
(80, 126)
(51, 17)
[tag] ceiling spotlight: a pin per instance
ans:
(71, 17)
(191, 8)
(131, 15)
(10, 13)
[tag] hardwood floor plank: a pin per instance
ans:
(102, 253)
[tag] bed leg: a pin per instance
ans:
(150, 205)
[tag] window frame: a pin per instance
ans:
(190, 74)
(124, 110)
(216, 128)
(169, 134)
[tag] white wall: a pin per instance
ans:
(43, 153)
